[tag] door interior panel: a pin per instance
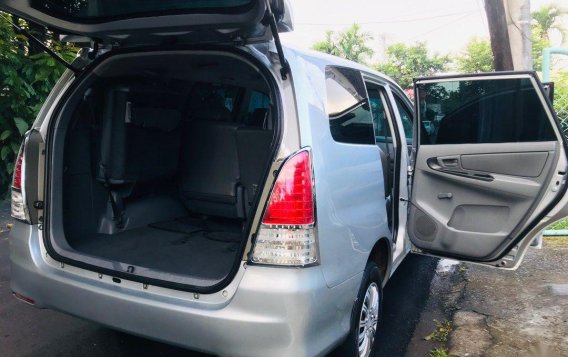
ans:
(473, 197)
(528, 164)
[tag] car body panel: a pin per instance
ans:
(351, 213)
(298, 314)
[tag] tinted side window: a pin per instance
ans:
(350, 117)
(258, 100)
(257, 110)
(210, 95)
(482, 111)
(405, 115)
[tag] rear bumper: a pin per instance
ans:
(264, 312)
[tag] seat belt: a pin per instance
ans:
(117, 211)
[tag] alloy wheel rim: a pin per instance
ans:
(368, 320)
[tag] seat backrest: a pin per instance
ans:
(254, 151)
(139, 138)
(209, 169)
(259, 118)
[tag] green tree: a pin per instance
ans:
(476, 57)
(350, 44)
(404, 63)
(548, 18)
(26, 77)
(545, 20)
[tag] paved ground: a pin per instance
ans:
(496, 313)
(521, 313)
(26, 331)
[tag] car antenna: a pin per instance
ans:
(48, 50)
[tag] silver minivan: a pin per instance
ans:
(192, 181)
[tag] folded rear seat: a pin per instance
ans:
(253, 144)
(209, 174)
(139, 141)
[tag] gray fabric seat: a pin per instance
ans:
(209, 175)
(254, 151)
(140, 137)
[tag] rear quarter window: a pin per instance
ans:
(350, 118)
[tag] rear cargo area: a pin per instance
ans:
(184, 246)
(163, 159)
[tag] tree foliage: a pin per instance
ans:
(476, 57)
(545, 20)
(350, 44)
(548, 18)
(26, 78)
(405, 62)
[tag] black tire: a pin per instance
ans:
(372, 274)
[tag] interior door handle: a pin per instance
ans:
(449, 162)
(451, 165)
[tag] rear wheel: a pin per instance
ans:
(366, 314)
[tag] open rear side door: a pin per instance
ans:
(489, 170)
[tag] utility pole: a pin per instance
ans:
(496, 18)
(519, 28)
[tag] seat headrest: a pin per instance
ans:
(211, 107)
(157, 118)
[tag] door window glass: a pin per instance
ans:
(382, 128)
(482, 111)
(350, 117)
(405, 116)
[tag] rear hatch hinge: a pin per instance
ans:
(270, 18)
(43, 46)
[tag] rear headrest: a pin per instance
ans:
(155, 118)
(214, 113)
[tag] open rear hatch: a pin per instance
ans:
(152, 22)
(157, 160)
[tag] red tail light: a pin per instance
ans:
(19, 208)
(17, 177)
(292, 201)
(23, 298)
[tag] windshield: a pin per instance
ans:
(104, 10)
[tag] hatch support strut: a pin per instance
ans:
(48, 50)
(271, 18)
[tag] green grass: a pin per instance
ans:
(441, 332)
(439, 352)
(562, 224)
